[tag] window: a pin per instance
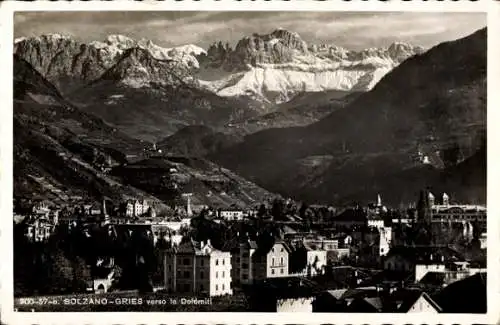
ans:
(186, 274)
(272, 249)
(216, 262)
(282, 261)
(223, 274)
(223, 287)
(282, 271)
(187, 287)
(216, 275)
(272, 263)
(272, 271)
(244, 265)
(223, 261)
(202, 275)
(186, 261)
(216, 287)
(202, 262)
(201, 287)
(245, 277)
(282, 249)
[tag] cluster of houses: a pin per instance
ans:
(286, 270)
(405, 282)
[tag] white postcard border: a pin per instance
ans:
(8, 316)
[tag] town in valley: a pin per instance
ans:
(254, 171)
(276, 256)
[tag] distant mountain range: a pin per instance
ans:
(423, 124)
(308, 121)
(128, 82)
(65, 154)
(275, 67)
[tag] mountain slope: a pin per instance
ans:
(149, 98)
(59, 150)
(66, 155)
(303, 109)
(432, 105)
(131, 83)
(197, 141)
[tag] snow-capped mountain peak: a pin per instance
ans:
(277, 66)
(271, 68)
(121, 41)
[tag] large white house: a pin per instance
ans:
(231, 214)
(197, 268)
(272, 262)
(136, 208)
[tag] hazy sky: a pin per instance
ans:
(351, 30)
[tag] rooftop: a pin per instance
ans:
(286, 287)
(427, 254)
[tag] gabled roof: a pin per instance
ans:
(337, 294)
(376, 302)
(289, 230)
(426, 254)
(464, 296)
(412, 299)
(433, 278)
(351, 214)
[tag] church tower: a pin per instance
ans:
(446, 199)
(425, 202)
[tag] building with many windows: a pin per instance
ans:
(231, 214)
(197, 268)
(242, 262)
(136, 208)
(445, 211)
(271, 262)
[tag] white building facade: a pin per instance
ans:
(198, 269)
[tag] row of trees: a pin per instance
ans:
(66, 261)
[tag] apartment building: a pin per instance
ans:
(197, 268)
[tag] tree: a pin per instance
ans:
(82, 275)
(262, 211)
(277, 209)
(57, 274)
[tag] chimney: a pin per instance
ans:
(202, 243)
(208, 242)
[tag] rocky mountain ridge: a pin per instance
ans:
(424, 119)
(275, 67)
(67, 155)
(61, 58)
(270, 68)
